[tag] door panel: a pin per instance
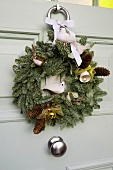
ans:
(22, 24)
(12, 45)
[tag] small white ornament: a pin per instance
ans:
(64, 36)
(85, 77)
(38, 62)
(56, 88)
(68, 97)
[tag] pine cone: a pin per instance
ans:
(86, 59)
(35, 112)
(39, 126)
(101, 71)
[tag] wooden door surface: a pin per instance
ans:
(89, 144)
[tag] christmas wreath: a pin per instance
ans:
(72, 98)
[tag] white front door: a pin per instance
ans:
(22, 24)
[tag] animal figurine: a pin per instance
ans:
(76, 48)
(55, 88)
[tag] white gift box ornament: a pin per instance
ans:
(85, 77)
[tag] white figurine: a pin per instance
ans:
(56, 88)
(64, 36)
(76, 48)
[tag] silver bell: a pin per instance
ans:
(57, 146)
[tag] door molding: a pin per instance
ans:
(106, 164)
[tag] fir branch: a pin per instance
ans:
(83, 40)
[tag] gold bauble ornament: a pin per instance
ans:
(51, 114)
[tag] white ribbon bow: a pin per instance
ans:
(56, 27)
(57, 24)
